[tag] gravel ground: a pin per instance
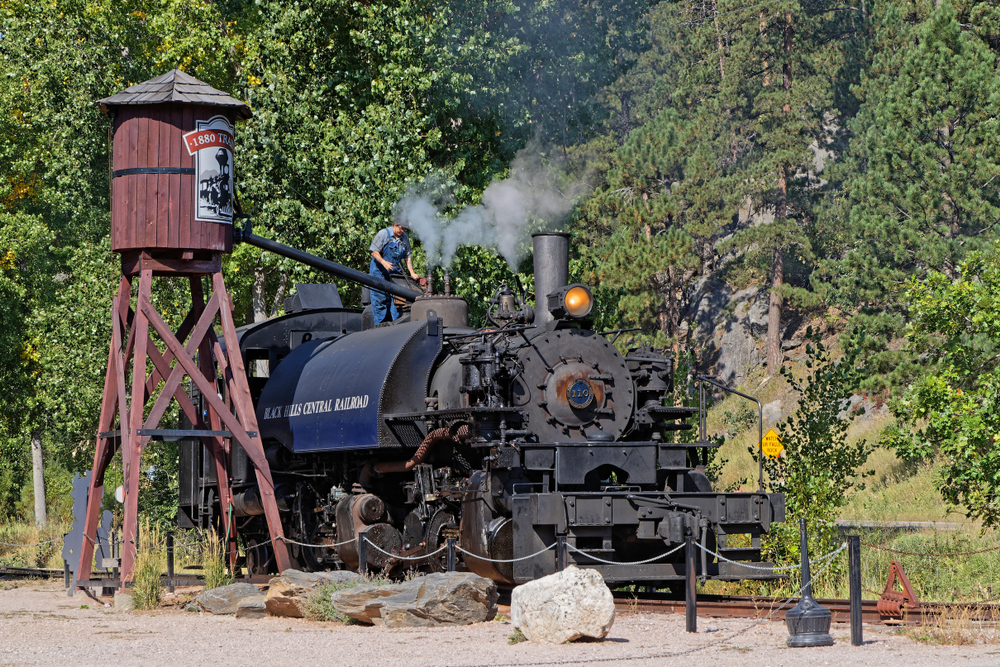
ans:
(41, 625)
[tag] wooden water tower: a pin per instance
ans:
(172, 199)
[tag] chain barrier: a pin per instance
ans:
(505, 560)
(377, 547)
(34, 544)
(770, 569)
(638, 562)
(287, 540)
(677, 654)
(879, 547)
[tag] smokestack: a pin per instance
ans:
(551, 257)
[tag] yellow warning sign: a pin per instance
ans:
(771, 444)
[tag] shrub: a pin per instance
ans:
(319, 607)
(216, 570)
(150, 563)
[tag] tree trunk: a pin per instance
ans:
(257, 297)
(774, 355)
(718, 40)
(41, 517)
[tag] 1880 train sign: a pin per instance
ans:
(211, 144)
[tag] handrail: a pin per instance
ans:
(760, 423)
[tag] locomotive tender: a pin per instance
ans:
(506, 437)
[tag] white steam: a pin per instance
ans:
(527, 201)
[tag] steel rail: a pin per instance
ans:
(44, 572)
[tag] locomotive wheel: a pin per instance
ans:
(441, 521)
(260, 556)
(303, 529)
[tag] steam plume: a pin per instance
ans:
(528, 200)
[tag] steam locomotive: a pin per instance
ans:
(510, 438)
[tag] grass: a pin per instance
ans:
(150, 563)
(898, 491)
(215, 567)
(319, 606)
(961, 628)
(33, 554)
(516, 637)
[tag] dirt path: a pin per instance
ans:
(41, 625)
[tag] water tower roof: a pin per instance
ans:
(178, 87)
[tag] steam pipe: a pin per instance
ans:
(432, 439)
(327, 266)
(551, 265)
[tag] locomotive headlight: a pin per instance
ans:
(578, 301)
(574, 301)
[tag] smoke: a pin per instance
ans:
(527, 201)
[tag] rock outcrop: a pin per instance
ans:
(288, 592)
(448, 598)
(223, 600)
(563, 606)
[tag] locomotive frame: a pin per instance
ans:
(507, 437)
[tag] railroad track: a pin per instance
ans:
(40, 572)
(736, 606)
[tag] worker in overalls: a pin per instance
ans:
(389, 248)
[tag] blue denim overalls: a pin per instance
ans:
(392, 253)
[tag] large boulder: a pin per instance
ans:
(446, 598)
(288, 593)
(223, 600)
(564, 606)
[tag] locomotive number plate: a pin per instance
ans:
(579, 394)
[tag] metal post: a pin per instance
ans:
(560, 553)
(808, 622)
(451, 554)
(690, 606)
(854, 574)
(362, 554)
(67, 577)
(170, 562)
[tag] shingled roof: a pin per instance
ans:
(174, 86)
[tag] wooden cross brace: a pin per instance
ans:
(131, 346)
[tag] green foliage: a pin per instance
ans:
(516, 637)
(921, 187)
(818, 465)
(319, 606)
(719, 119)
(150, 563)
(215, 565)
(952, 411)
(26, 545)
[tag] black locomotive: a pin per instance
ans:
(506, 437)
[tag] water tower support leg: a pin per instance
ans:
(105, 449)
(216, 445)
(133, 445)
(240, 392)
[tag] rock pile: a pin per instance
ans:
(563, 606)
(288, 593)
(225, 599)
(448, 598)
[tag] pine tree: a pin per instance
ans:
(731, 104)
(926, 157)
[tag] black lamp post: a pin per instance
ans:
(808, 622)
